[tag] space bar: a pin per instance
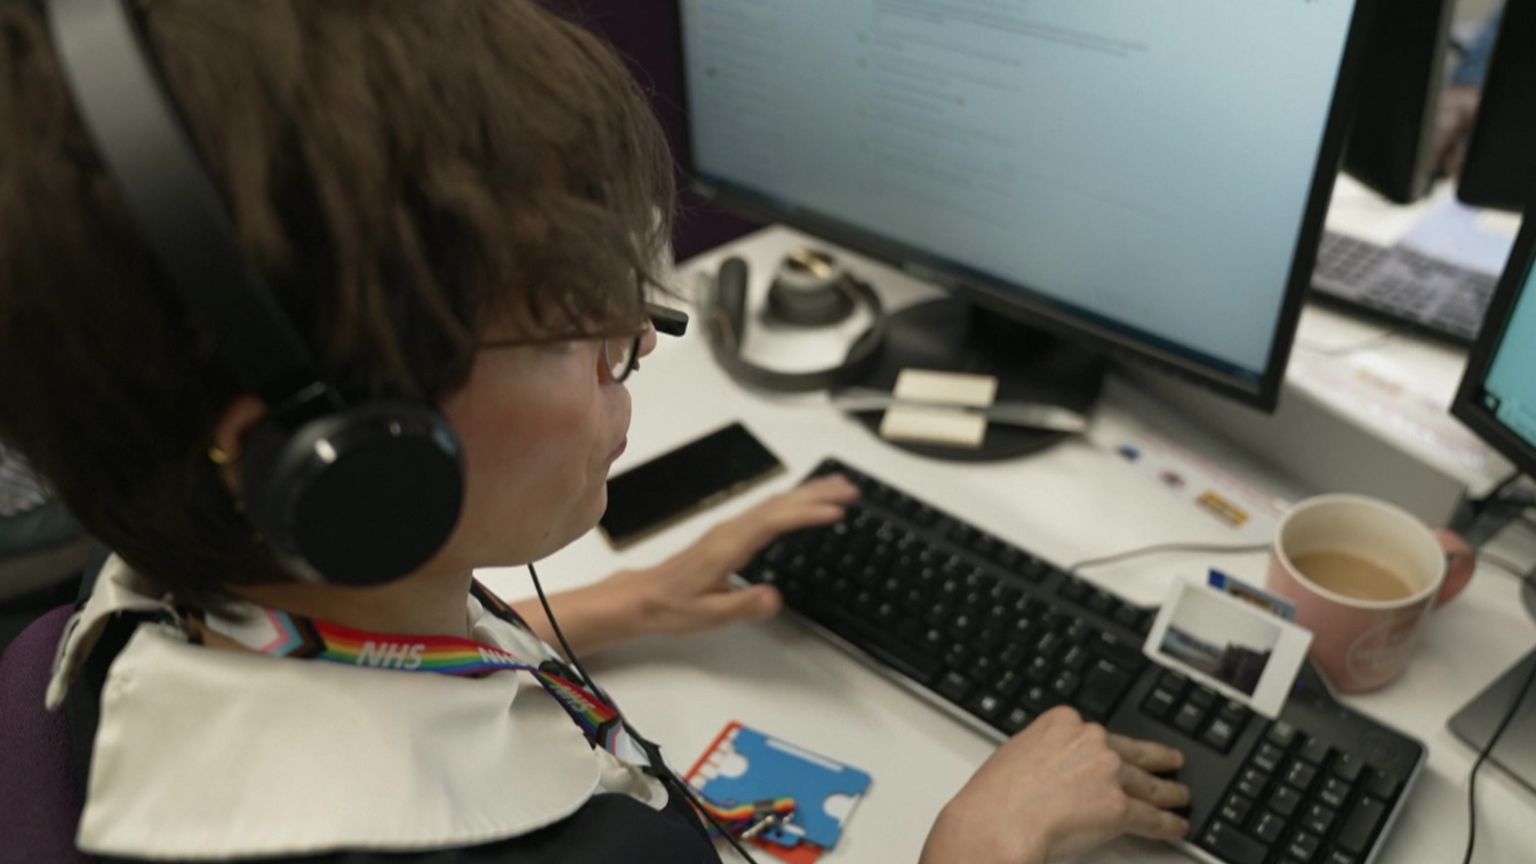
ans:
(903, 657)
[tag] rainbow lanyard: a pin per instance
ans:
(309, 639)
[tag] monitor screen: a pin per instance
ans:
(1498, 394)
(1149, 176)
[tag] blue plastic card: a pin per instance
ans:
(746, 766)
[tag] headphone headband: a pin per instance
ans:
(726, 321)
(143, 144)
(356, 496)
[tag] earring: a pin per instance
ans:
(226, 462)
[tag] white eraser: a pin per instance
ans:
(934, 426)
(945, 388)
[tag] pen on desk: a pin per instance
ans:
(1033, 415)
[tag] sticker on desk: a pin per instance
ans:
(1234, 646)
(1222, 509)
(744, 767)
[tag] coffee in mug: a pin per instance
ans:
(1352, 575)
(1364, 575)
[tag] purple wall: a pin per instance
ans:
(646, 33)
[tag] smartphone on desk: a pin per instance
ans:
(683, 481)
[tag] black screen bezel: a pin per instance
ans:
(1029, 307)
(1469, 406)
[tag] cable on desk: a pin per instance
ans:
(1509, 716)
(1161, 548)
(1527, 575)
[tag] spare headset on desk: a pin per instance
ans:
(808, 292)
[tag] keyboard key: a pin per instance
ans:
(985, 705)
(1318, 819)
(1334, 793)
(1159, 704)
(1203, 696)
(1015, 720)
(1281, 734)
(1382, 785)
(1302, 848)
(1284, 801)
(1074, 589)
(1173, 682)
(1102, 688)
(1232, 846)
(1339, 857)
(1314, 750)
(1268, 758)
(1347, 767)
(1236, 714)
(1268, 827)
(1076, 658)
(1300, 775)
(1037, 699)
(1252, 782)
(953, 686)
(1039, 670)
(1065, 685)
(1220, 735)
(1355, 836)
(1236, 809)
(1008, 683)
(1129, 617)
(1188, 718)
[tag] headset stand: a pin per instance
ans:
(1031, 366)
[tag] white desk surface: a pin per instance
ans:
(1076, 501)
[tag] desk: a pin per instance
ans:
(1073, 502)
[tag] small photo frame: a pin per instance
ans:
(1233, 646)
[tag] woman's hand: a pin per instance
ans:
(691, 591)
(1056, 790)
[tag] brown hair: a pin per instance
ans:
(400, 172)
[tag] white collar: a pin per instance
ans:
(212, 754)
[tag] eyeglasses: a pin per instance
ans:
(620, 353)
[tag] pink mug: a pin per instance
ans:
(1357, 644)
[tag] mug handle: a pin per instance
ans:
(1460, 561)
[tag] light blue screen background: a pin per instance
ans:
(1146, 162)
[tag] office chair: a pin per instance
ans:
(40, 802)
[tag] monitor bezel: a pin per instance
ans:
(1487, 177)
(1468, 405)
(1034, 308)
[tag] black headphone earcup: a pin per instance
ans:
(359, 497)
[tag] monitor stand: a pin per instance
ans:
(1030, 365)
(1475, 724)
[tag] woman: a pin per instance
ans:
(455, 202)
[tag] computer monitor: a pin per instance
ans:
(1148, 180)
(1391, 144)
(1497, 400)
(1500, 166)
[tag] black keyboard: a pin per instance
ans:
(1402, 284)
(996, 636)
